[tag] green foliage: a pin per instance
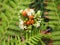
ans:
(10, 32)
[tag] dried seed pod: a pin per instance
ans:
(24, 13)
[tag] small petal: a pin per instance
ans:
(29, 13)
(20, 11)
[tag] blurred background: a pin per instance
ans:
(47, 34)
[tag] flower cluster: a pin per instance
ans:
(28, 17)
